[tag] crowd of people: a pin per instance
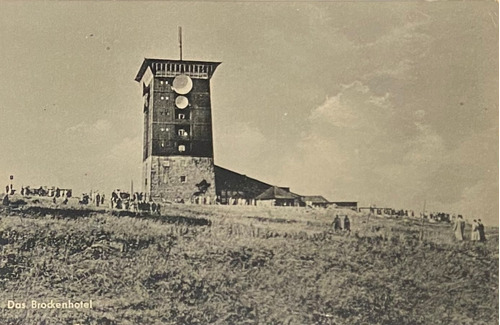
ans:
(477, 230)
(45, 191)
(138, 203)
(53, 192)
(431, 216)
(477, 233)
(119, 200)
(439, 216)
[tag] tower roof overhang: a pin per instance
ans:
(153, 65)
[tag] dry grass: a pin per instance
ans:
(247, 265)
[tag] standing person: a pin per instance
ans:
(336, 223)
(459, 228)
(102, 199)
(97, 199)
(119, 203)
(347, 224)
(474, 231)
(114, 199)
(480, 228)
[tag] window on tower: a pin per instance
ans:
(183, 179)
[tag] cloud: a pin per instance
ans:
(398, 70)
(419, 114)
(354, 107)
(403, 34)
(480, 201)
(126, 149)
(116, 165)
(237, 143)
(425, 146)
(98, 127)
(336, 113)
(349, 133)
(102, 125)
(358, 148)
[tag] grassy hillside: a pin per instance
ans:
(242, 265)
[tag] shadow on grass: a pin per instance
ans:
(277, 220)
(189, 221)
(68, 213)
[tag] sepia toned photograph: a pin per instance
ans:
(249, 162)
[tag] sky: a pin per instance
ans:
(387, 103)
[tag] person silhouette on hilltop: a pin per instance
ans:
(336, 223)
(459, 228)
(480, 228)
(347, 224)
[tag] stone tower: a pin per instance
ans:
(178, 158)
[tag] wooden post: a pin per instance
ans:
(422, 223)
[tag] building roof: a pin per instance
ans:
(226, 179)
(149, 62)
(315, 199)
(348, 203)
(219, 169)
(276, 193)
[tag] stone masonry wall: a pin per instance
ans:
(174, 179)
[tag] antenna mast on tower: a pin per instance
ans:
(180, 41)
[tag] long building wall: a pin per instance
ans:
(229, 184)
